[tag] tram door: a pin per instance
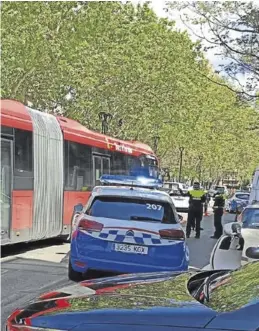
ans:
(6, 187)
(101, 166)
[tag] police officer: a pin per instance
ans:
(218, 208)
(197, 198)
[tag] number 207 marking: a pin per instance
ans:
(153, 206)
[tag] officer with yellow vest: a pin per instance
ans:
(197, 199)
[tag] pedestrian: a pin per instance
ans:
(218, 208)
(195, 213)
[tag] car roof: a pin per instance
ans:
(242, 192)
(253, 206)
(127, 191)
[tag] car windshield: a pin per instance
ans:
(250, 217)
(132, 209)
(176, 193)
(171, 186)
(235, 290)
(242, 196)
(220, 189)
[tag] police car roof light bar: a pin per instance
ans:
(131, 181)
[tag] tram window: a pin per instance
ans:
(78, 167)
(6, 131)
(119, 164)
(23, 156)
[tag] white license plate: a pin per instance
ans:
(124, 248)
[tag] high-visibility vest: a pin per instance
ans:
(197, 194)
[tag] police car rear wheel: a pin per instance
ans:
(74, 275)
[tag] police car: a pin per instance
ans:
(127, 226)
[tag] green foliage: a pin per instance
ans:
(240, 288)
(126, 61)
(230, 28)
(169, 293)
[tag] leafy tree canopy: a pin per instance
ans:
(124, 60)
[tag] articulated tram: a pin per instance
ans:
(49, 164)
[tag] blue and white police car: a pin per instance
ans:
(127, 226)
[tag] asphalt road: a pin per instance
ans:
(30, 270)
(200, 249)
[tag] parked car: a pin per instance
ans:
(214, 300)
(249, 219)
(214, 189)
(180, 201)
(126, 229)
(238, 201)
(172, 186)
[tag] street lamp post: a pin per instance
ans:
(156, 140)
(166, 174)
(181, 163)
(105, 118)
(200, 159)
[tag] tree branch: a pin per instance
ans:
(228, 87)
(22, 80)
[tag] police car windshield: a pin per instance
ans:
(132, 209)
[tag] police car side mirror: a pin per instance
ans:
(253, 252)
(78, 208)
(236, 227)
(231, 228)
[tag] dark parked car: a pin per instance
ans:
(165, 301)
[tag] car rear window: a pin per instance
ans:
(176, 193)
(250, 217)
(132, 209)
(242, 196)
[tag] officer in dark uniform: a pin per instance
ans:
(218, 208)
(197, 199)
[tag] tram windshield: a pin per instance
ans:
(145, 165)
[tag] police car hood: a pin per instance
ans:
(143, 300)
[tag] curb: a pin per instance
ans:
(8, 258)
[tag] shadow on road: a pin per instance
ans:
(10, 250)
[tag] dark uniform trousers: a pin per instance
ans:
(218, 212)
(194, 220)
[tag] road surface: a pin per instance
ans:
(30, 270)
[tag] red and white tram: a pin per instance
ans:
(48, 165)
